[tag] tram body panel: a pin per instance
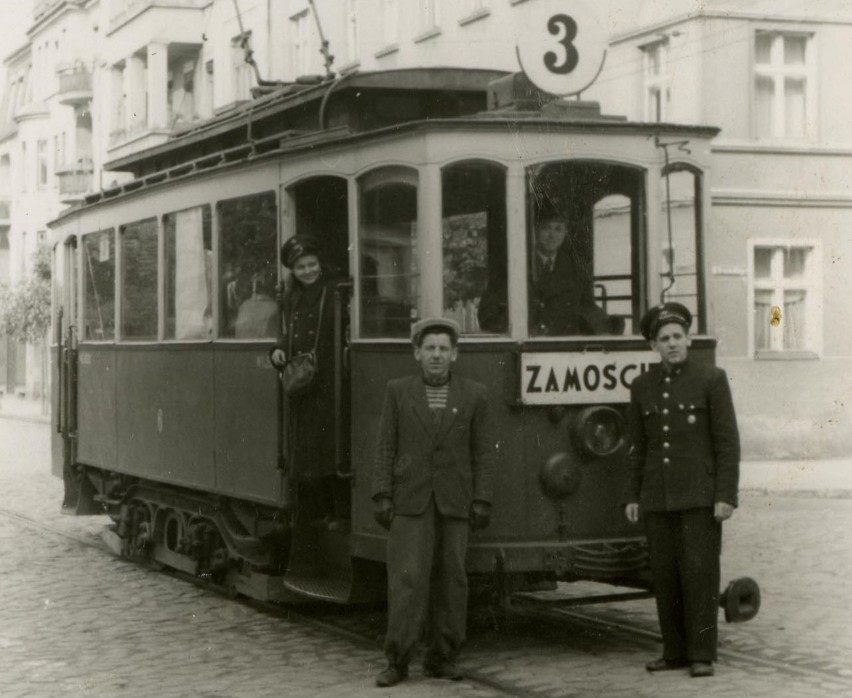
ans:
(97, 409)
(245, 423)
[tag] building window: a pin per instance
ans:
(25, 169)
(656, 80)
(42, 164)
(352, 36)
(784, 89)
(428, 14)
(390, 28)
(300, 33)
(786, 305)
(242, 71)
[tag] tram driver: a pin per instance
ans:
(560, 288)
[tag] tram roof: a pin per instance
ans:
(366, 105)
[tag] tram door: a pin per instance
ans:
(66, 422)
(319, 448)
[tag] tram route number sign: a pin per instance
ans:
(561, 46)
(551, 378)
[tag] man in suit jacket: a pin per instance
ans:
(684, 472)
(432, 483)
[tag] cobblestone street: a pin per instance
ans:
(76, 621)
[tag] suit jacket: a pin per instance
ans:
(685, 446)
(416, 459)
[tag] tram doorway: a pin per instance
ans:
(319, 562)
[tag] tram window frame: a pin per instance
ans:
(551, 194)
(199, 327)
(402, 288)
(106, 306)
(235, 288)
(124, 297)
(698, 308)
(479, 305)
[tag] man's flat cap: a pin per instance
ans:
(434, 323)
(298, 246)
(663, 314)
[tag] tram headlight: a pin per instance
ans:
(598, 431)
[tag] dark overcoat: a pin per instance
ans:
(416, 459)
(685, 446)
(312, 414)
(561, 301)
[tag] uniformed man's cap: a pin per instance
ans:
(298, 246)
(663, 314)
(434, 323)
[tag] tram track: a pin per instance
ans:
(365, 626)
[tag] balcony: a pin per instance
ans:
(75, 181)
(75, 86)
(122, 11)
(5, 211)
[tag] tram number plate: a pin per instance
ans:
(555, 378)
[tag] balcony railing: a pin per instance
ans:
(75, 181)
(75, 85)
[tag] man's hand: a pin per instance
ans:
(723, 511)
(480, 515)
(631, 511)
(383, 512)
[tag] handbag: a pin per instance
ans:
(298, 375)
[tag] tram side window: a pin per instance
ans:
(99, 286)
(189, 268)
(681, 263)
(473, 226)
(584, 277)
(387, 230)
(139, 280)
(249, 266)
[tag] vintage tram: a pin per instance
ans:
(424, 187)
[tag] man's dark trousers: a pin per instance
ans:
(420, 593)
(687, 600)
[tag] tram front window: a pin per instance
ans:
(583, 275)
(474, 246)
(387, 230)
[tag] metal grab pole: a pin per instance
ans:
(341, 296)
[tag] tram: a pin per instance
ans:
(424, 188)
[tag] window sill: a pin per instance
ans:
(516, 2)
(386, 51)
(475, 16)
(430, 33)
(786, 355)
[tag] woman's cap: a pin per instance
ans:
(298, 246)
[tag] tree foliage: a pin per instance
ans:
(25, 308)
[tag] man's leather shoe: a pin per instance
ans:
(442, 670)
(698, 669)
(663, 664)
(392, 675)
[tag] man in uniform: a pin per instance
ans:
(684, 472)
(432, 483)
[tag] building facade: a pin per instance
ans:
(100, 79)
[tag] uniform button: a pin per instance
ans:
(310, 331)
(665, 427)
(666, 411)
(665, 395)
(668, 379)
(665, 444)
(666, 461)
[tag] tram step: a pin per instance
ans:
(334, 590)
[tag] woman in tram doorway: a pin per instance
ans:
(309, 320)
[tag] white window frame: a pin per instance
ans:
(300, 42)
(656, 83)
(778, 72)
(352, 33)
(390, 25)
(430, 15)
(811, 284)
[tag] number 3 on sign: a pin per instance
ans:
(561, 46)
